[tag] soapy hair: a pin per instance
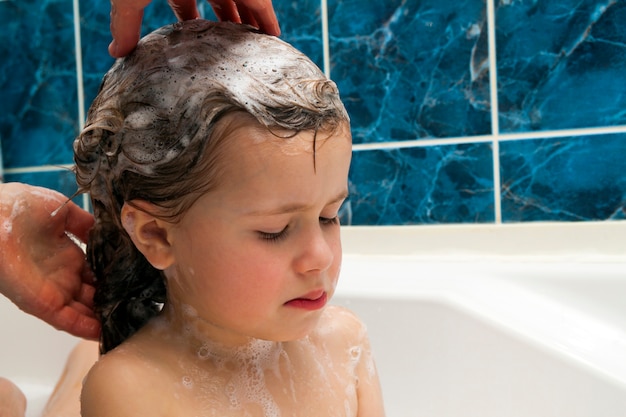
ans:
(150, 135)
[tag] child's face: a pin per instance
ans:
(259, 256)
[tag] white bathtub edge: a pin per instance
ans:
(593, 241)
(552, 325)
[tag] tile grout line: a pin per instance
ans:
(325, 38)
(39, 168)
(79, 66)
(495, 125)
(79, 79)
(502, 137)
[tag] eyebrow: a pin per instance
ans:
(295, 207)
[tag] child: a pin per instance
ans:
(12, 400)
(217, 160)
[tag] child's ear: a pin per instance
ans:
(150, 234)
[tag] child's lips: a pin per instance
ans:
(314, 300)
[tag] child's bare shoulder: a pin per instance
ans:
(341, 323)
(115, 379)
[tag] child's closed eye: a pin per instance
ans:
(282, 234)
(274, 236)
(329, 220)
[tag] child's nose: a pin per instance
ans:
(316, 252)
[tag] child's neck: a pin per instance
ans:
(216, 346)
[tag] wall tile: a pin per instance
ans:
(564, 179)
(438, 184)
(561, 64)
(407, 70)
(411, 69)
(38, 110)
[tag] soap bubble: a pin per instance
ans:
(187, 382)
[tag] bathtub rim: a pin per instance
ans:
(479, 249)
(538, 241)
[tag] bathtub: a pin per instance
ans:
(502, 321)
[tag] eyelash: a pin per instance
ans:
(277, 237)
(274, 237)
(329, 220)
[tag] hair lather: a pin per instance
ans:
(150, 136)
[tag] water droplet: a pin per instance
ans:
(355, 353)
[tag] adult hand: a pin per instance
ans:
(42, 270)
(126, 17)
(258, 13)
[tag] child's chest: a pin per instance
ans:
(296, 385)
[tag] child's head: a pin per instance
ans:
(201, 112)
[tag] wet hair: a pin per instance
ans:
(151, 135)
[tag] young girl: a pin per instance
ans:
(217, 160)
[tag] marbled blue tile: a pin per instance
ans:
(407, 69)
(561, 64)
(39, 106)
(410, 69)
(564, 179)
(439, 184)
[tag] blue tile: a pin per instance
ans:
(39, 106)
(565, 179)
(407, 69)
(411, 69)
(439, 184)
(561, 64)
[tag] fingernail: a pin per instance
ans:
(113, 49)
